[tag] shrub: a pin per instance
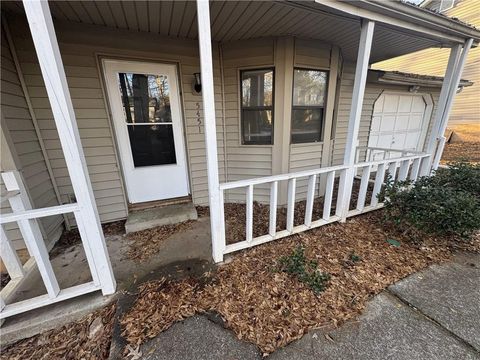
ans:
(460, 176)
(447, 203)
(305, 270)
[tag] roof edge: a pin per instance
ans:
(406, 10)
(403, 78)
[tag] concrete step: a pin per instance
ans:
(159, 216)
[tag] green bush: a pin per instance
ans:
(459, 176)
(447, 203)
(305, 270)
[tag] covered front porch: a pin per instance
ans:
(295, 186)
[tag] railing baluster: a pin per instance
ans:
(340, 193)
(362, 193)
(291, 203)
(310, 199)
(392, 170)
(273, 208)
(415, 169)
(249, 212)
(31, 233)
(9, 256)
(378, 184)
(327, 203)
(403, 172)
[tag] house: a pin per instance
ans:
(466, 109)
(110, 105)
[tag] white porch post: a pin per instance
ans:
(452, 91)
(53, 72)
(361, 71)
(442, 101)
(206, 68)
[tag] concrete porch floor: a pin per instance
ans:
(186, 251)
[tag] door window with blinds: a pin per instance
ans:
(146, 107)
(308, 105)
(257, 106)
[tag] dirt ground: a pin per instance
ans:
(271, 308)
(259, 303)
(464, 144)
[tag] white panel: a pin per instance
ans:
(376, 122)
(418, 104)
(378, 107)
(411, 140)
(373, 141)
(388, 123)
(399, 140)
(415, 122)
(390, 103)
(405, 104)
(401, 124)
(384, 141)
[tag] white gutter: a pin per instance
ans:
(406, 17)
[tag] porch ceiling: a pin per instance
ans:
(237, 20)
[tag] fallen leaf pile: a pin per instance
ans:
(143, 244)
(160, 303)
(271, 309)
(87, 339)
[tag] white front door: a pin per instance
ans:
(400, 122)
(145, 105)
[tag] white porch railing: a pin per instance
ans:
(26, 218)
(291, 178)
(409, 166)
(379, 153)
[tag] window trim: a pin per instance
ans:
(308, 107)
(253, 108)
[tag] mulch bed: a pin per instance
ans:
(271, 308)
(464, 144)
(464, 151)
(86, 339)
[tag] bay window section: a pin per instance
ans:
(257, 106)
(308, 105)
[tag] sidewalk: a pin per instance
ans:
(433, 314)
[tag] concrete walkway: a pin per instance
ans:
(433, 314)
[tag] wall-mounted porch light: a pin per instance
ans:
(414, 88)
(197, 86)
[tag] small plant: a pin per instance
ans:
(305, 270)
(354, 257)
(447, 203)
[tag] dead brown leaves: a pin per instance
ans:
(73, 341)
(143, 244)
(160, 303)
(272, 309)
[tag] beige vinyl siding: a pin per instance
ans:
(244, 161)
(81, 48)
(309, 54)
(27, 149)
(466, 107)
(372, 92)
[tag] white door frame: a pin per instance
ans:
(120, 131)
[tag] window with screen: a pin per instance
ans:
(257, 106)
(308, 105)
